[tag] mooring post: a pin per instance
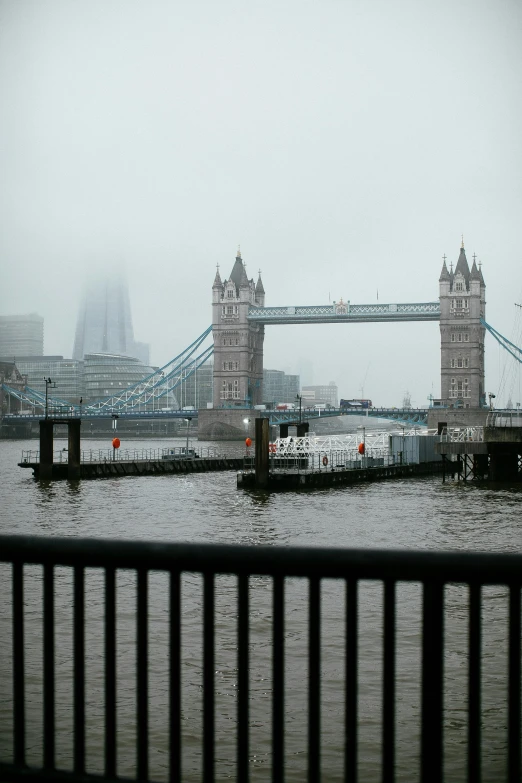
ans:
(73, 464)
(283, 430)
(302, 429)
(262, 440)
(46, 449)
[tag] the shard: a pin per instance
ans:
(105, 322)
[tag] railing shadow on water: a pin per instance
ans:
(200, 662)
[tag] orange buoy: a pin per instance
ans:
(361, 448)
(115, 443)
(272, 448)
(248, 442)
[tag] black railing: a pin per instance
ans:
(433, 570)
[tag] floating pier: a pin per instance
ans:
(308, 461)
(289, 478)
(132, 465)
(73, 463)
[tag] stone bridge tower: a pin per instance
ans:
(462, 305)
(238, 344)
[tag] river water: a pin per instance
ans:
(416, 514)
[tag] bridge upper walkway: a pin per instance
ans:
(339, 312)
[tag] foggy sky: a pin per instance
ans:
(345, 145)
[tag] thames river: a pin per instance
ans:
(412, 514)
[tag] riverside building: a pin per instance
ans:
(21, 335)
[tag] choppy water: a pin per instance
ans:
(423, 514)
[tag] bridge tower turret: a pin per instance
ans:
(462, 304)
(238, 344)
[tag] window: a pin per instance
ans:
(230, 309)
(459, 363)
(459, 338)
(458, 303)
(466, 362)
(453, 337)
(230, 294)
(459, 287)
(466, 337)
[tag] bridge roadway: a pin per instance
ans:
(409, 416)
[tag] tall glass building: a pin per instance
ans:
(67, 374)
(105, 322)
(21, 335)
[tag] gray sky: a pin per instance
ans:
(345, 145)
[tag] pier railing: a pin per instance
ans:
(434, 571)
(32, 456)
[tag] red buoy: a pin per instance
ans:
(115, 443)
(361, 448)
(248, 442)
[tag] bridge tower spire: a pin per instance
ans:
(462, 296)
(238, 343)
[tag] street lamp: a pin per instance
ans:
(186, 447)
(299, 397)
(491, 398)
(48, 382)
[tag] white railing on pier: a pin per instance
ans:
(126, 455)
(504, 419)
(462, 435)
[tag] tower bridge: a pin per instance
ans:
(239, 317)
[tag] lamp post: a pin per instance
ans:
(186, 447)
(52, 384)
(299, 397)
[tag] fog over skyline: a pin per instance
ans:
(345, 146)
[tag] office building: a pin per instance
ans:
(279, 387)
(197, 390)
(66, 374)
(108, 374)
(21, 335)
(322, 394)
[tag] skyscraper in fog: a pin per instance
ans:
(105, 322)
(21, 335)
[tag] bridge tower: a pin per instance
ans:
(238, 344)
(462, 305)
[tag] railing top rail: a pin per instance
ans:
(322, 562)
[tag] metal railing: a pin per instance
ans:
(433, 570)
(32, 456)
(504, 419)
(462, 435)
